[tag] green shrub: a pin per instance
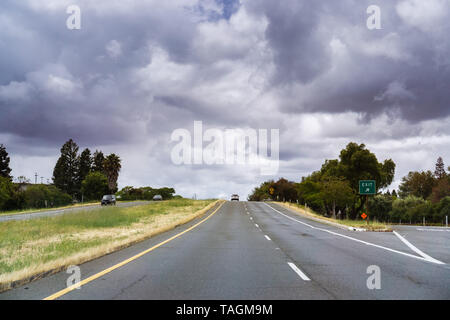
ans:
(6, 193)
(420, 211)
(380, 206)
(442, 209)
(42, 196)
(145, 193)
(403, 209)
(94, 186)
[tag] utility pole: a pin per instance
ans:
(35, 177)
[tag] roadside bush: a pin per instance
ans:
(420, 211)
(380, 206)
(442, 209)
(316, 203)
(6, 193)
(403, 209)
(42, 196)
(145, 193)
(94, 186)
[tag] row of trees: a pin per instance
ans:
(14, 196)
(86, 175)
(34, 196)
(335, 186)
(145, 193)
(422, 195)
(334, 189)
(74, 176)
(426, 184)
(410, 209)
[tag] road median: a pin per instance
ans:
(33, 249)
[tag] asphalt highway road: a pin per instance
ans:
(435, 241)
(254, 250)
(54, 212)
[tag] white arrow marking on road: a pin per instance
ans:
(357, 240)
(298, 271)
(415, 249)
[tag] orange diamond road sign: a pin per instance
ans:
(364, 215)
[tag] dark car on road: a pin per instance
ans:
(108, 199)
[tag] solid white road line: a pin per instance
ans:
(298, 271)
(433, 230)
(357, 240)
(256, 225)
(267, 237)
(417, 250)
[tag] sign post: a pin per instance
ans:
(367, 187)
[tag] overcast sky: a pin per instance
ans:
(137, 70)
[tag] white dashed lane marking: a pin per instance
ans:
(298, 271)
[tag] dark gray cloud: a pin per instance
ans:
(295, 37)
(366, 66)
(136, 72)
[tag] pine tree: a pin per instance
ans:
(5, 170)
(85, 162)
(439, 172)
(97, 162)
(65, 173)
(59, 173)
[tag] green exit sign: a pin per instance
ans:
(367, 187)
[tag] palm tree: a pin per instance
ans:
(112, 166)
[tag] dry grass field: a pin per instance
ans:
(370, 226)
(33, 247)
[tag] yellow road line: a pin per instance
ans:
(120, 264)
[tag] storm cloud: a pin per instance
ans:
(138, 70)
